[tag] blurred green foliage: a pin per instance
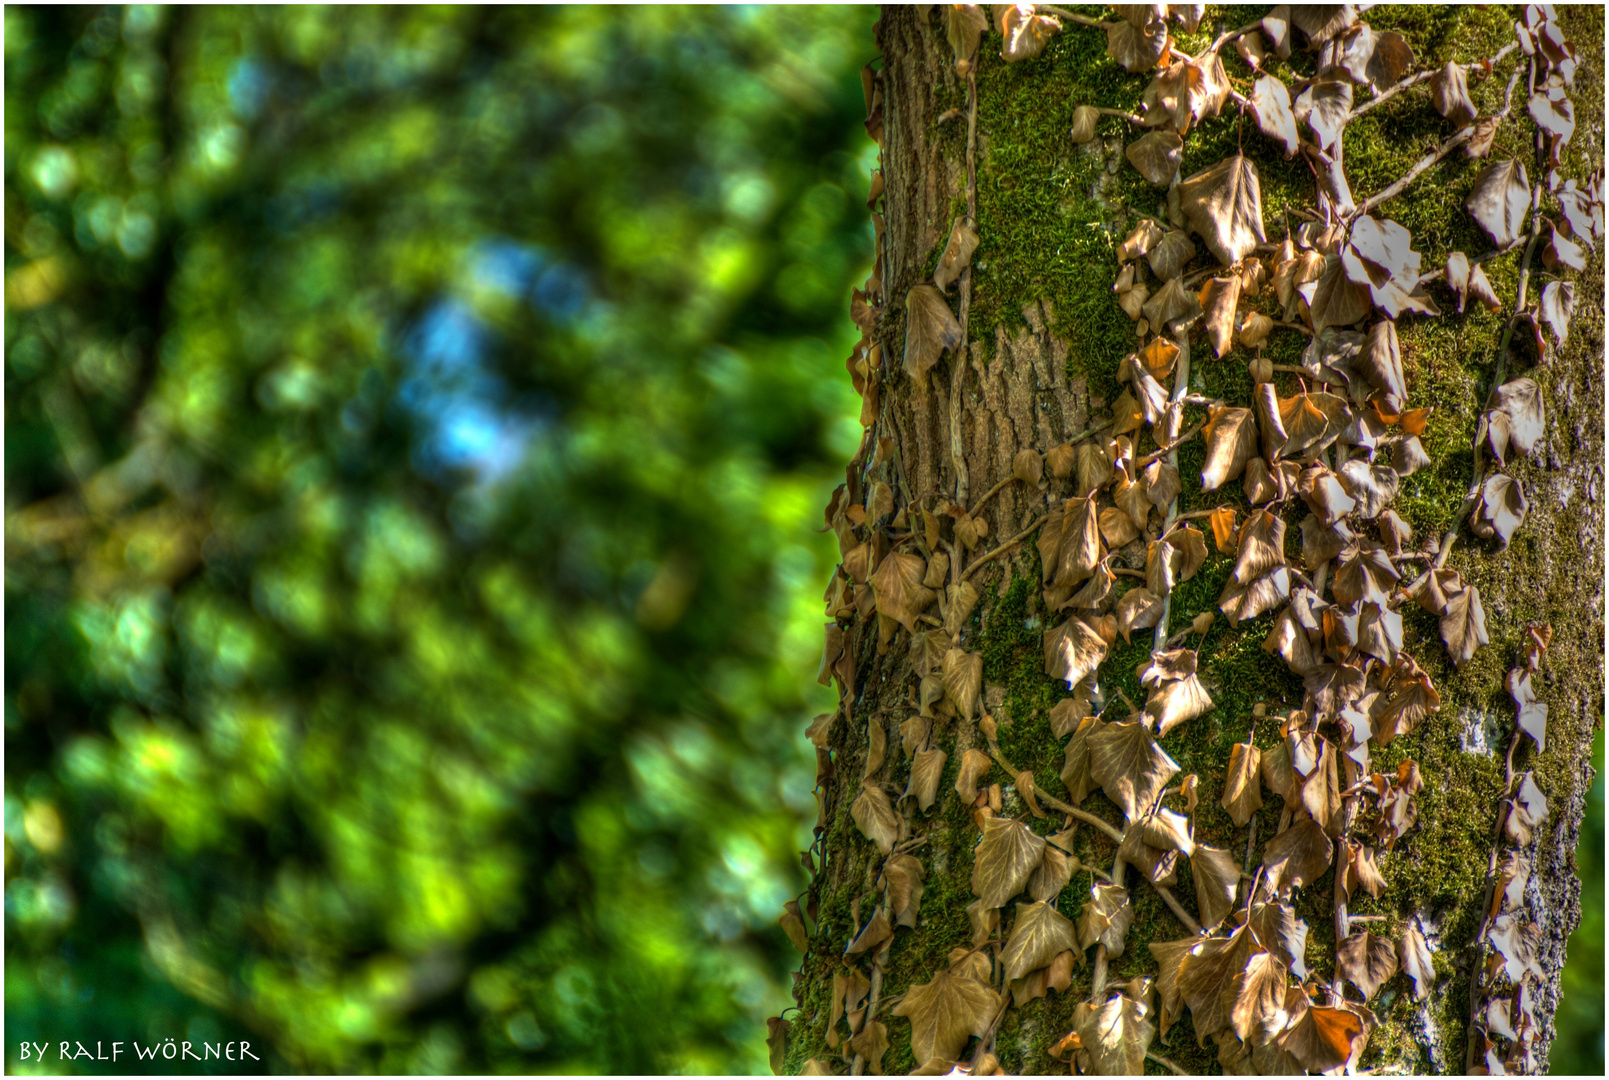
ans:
(416, 420)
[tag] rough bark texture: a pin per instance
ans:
(1042, 347)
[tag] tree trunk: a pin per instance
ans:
(1042, 342)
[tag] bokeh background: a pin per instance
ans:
(417, 425)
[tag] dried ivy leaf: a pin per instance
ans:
(1242, 795)
(1006, 856)
(1116, 527)
(1324, 106)
(898, 589)
(1336, 299)
(1105, 919)
(1136, 48)
(1093, 468)
(1500, 509)
(1533, 714)
(964, 24)
(1065, 714)
(776, 1043)
(1025, 32)
(1072, 651)
(1038, 935)
(1324, 1039)
(1075, 767)
(1562, 252)
(1298, 855)
(1162, 484)
(1262, 546)
(1156, 156)
(1173, 703)
(871, 1044)
(975, 765)
(1138, 609)
(1321, 22)
(1129, 765)
(1218, 299)
(1556, 307)
(1528, 811)
(875, 817)
(1217, 877)
(1412, 698)
(1463, 625)
(1239, 602)
(930, 329)
(1271, 105)
(1449, 93)
(1554, 113)
(962, 599)
(1516, 941)
(1085, 117)
(871, 936)
(903, 876)
(1224, 207)
(1500, 200)
(1051, 877)
(1376, 59)
(1282, 933)
(877, 746)
(1206, 972)
(957, 254)
(1416, 961)
(1258, 994)
(1381, 360)
(1167, 260)
(1139, 242)
(792, 923)
(1173, 303)
(1367, 961)
(945, 1012)
(816, 1067)
(963, 680)
(926, 768)
(1371, 486)
(1115, 1034)
(1364, 575)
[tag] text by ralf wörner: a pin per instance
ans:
(167, 1050)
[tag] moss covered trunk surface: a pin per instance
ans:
(1039, 363)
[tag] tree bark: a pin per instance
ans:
(1042, 340)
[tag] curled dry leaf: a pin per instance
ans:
(1217, 877)
(1138, 609)
(1072, 651)
(1556, 307)
(1463, 624)
(1136, 48)
(926, 767)
(1007, 855)
(1129, 766)
(871, 936)
(1025, 32)
(1115, 1034)
(1231, 438)
(964, 24)
(1325, 1038)
(1298, 855)
(1366, 960)
(816, 1067)
(1156, 156)
(957, 254)
(1218, 299)
(1321, 22)
(1500, 509)
(975, 765)
(1038, 935)
(1415, 954)
(1173, 303)
(1533, 714)
(898, 589)
(871, 1044)
(1140, 241)
(1528, 811)
(1055, 870)
(1243, 795)
(1207, 976)
(1223, 205)
(1075, 767)
(792, 923)
(1500, 200)
(1324, 106)
(902, 875)
(930, 329)
(875, 817)
(776, 1043)
(1449, 93)
(1167, 260)
(945, 1012)
(1271, 105)
(1282, 933)
(1105, 919)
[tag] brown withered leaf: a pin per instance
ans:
(963, 680)
(1528, 812)
(1326, 496)
(1140, 241)
(1516, 418)
(1298, 855)
(1449, 93)
(1093, 467)
(1216, 876)
(1105, 919)
(1257, 1013)
(1224, 207)
(871, 1044)
(1366, 960)
(1169, 956)
(1557, 306)
(875, 816)
(1167, 260)
(1372, 487)
(1239, 602)
(1007, 854)
(1136, 48)
(1281, 933)
(1321, 22)
(1500, 509)
(1171, 304)
(1516, 940)
(1205, 973)
(871, 936)
(1512, 876)
(1026, 33)
(1129, 765)
(1324, 1038)
(1292, 643)
(1411, 699)
(903, 878)
(1172, 703)
(1225, 534)
(817, 1067)
(1359, 871)
(1028, 466)
(1415, 955)
(792, 923)
(1038, 935)
(1463, 624)
(1131, 497)
(1162, 484)
(1231, 437)
(1262, 547)
(964, 24)
(1075, 766)
(1337, 300)
(1480, 143)
(1243, 795)
(962, 599)
(1072, 651)
(1085, 117)
(975, 765)
(1066, 714)
(1054, 872)
(849, 989)
(957, 253)
(898, 589)
(1115, 1034)
(1500, 200)
(1532, 717)
(945, 1012)
(926, 768)
(930, 329)
(1271, 105)
(776, 1043)
(1365, 574)
(1156, 156)
(1138, 609)
(1218, 299)
(984, 920)
(1324, 106)
(877, 747)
